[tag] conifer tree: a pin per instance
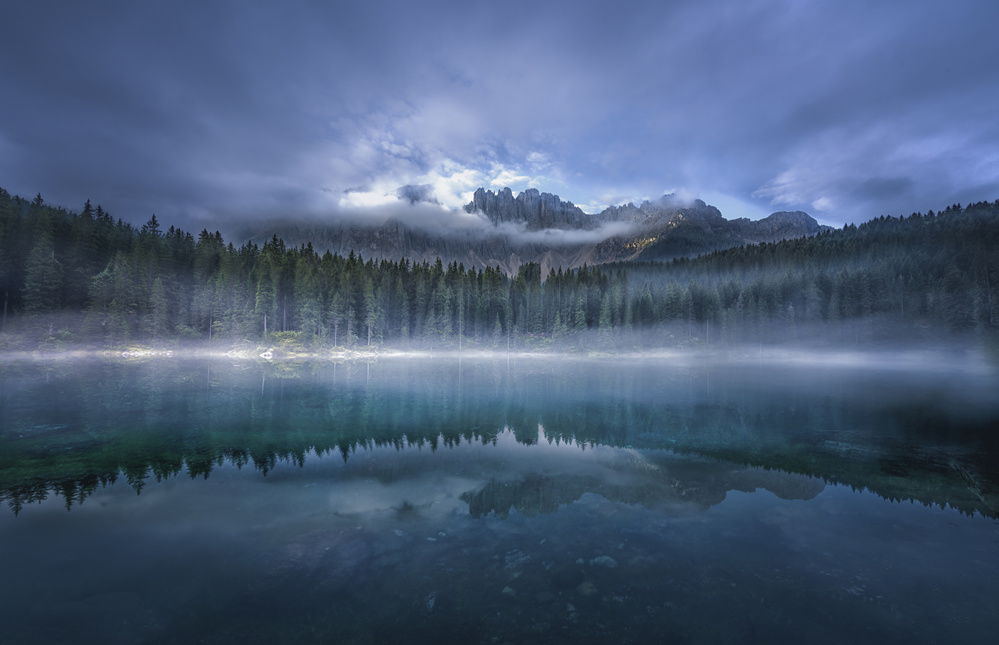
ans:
(43, 278)
(158, 324)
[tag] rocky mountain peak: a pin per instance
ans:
(787, 224)
(659, 229)
(531, 207)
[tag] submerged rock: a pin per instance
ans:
(604, 561)
(516, 559)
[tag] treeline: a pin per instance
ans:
(891, 278)
(71, 277)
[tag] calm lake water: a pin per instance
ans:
(830, 498)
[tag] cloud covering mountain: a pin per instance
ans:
(507, 230)
(210, 114)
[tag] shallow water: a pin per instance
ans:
(680, 499)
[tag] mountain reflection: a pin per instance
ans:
(666, 434)
(685, 483)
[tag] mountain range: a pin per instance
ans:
(508, 230)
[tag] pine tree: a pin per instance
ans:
(123, 305)
(604, 322)
(43, 278)
(338, 316)
(158, 324)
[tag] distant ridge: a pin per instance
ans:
(539, 227)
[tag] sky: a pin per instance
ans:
(215, 113)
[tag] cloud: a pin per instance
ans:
(200, 112)
(734, 207)
(823, 204)
(538, 161)
(414, 194)
(421, 215)
(370, 199)
(447, 182)
(519, 234)
(852, 174)
(416, 207)
(508, 178)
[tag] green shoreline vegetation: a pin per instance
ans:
(82, 280)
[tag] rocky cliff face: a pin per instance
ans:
(537, 210)
(786, 225)
(539, 227)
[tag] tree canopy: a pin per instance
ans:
(86, 277)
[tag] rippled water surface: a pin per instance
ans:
(834, 498)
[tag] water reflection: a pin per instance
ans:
(72, 429)
(487, 501)
(655, 479)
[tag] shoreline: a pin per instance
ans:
(960, 357)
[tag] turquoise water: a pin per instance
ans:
(827, 498)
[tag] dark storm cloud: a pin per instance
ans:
(416, 194)
(205, 112)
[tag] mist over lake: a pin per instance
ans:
(775, 497)
(499, 323)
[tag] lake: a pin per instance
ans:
(774, 498)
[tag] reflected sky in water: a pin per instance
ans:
(498, 501)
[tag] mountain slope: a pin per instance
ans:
(539, 227)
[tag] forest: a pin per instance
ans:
(84, 279)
